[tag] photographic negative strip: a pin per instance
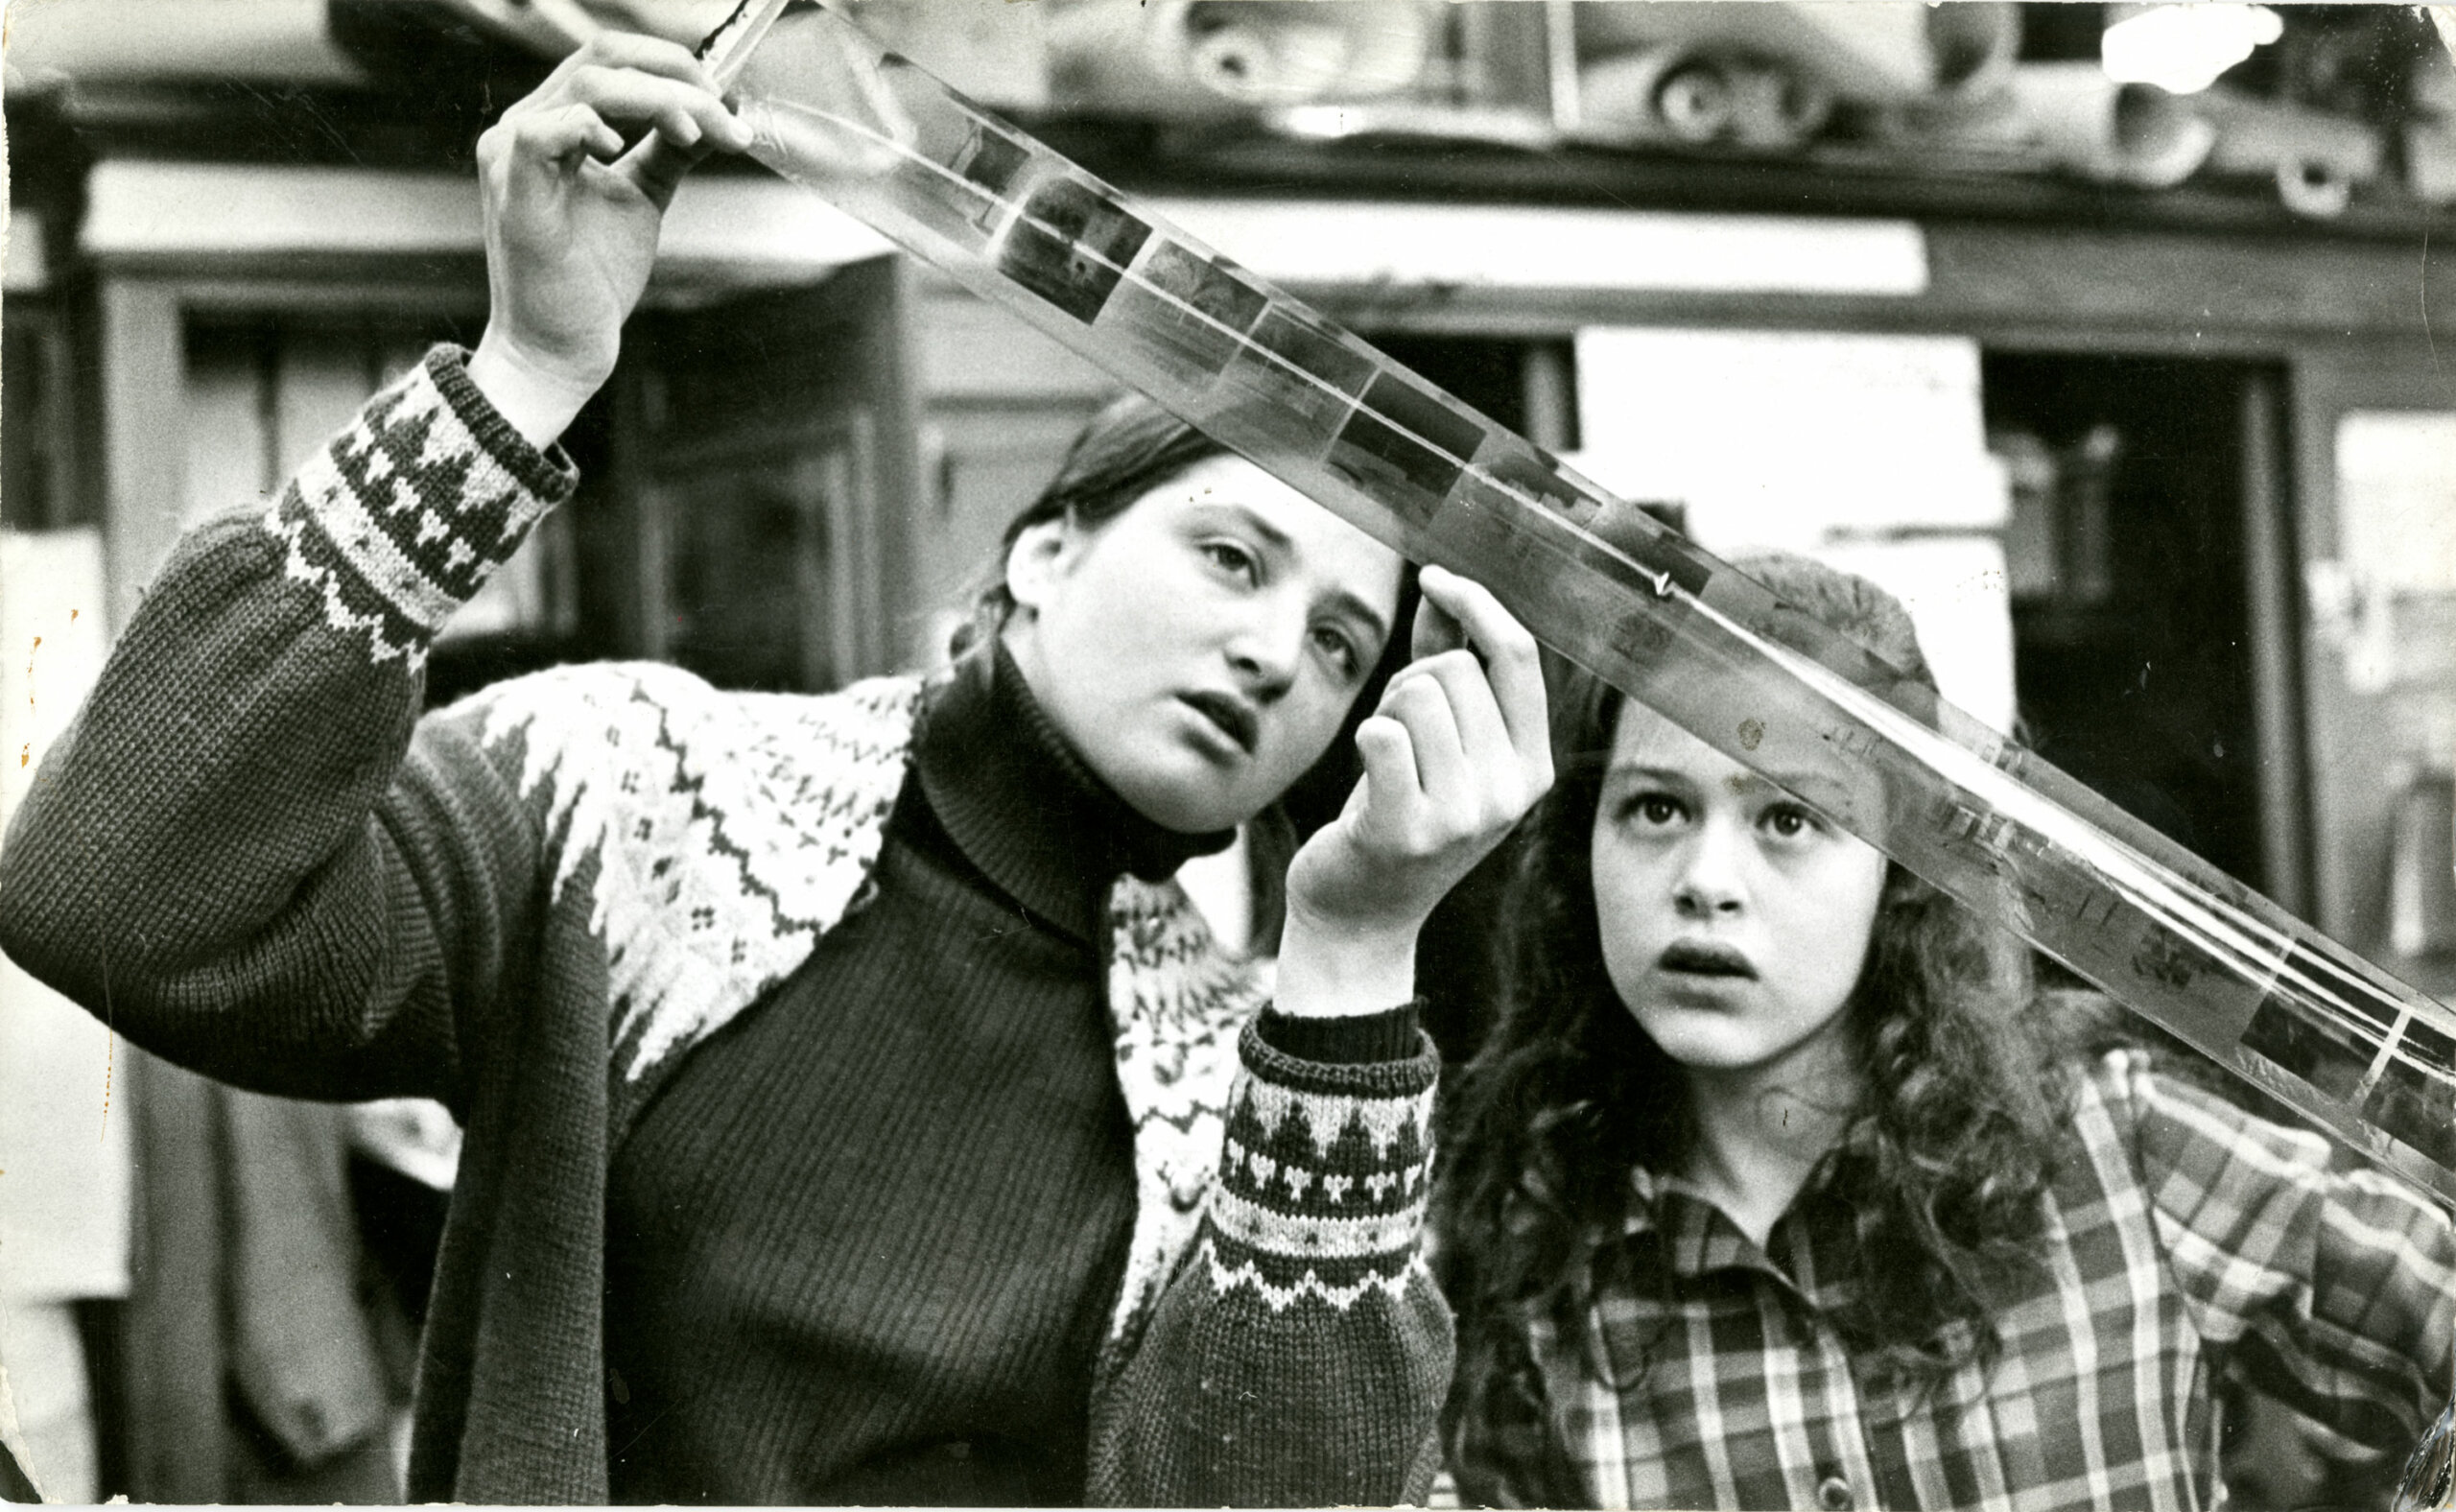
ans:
(1296, 380)
(1406, 442)
(1069, 243)
(2416, 1098)
(1188, 311)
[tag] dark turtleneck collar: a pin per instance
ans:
(1025, 809)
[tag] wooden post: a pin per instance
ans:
(2269, 594)
(144, 434)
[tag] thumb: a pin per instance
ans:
(656, 167)
(1389, 781)
(1436, 630)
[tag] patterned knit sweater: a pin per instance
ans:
(253, 857)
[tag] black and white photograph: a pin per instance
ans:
(1666, 754)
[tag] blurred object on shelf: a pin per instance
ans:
(2351, 61)
(2058, 547)
(1975, 46)
(996, 53)
(2182, 49)
(2084, 122)
(1501, 57)
(1978, 47)
(1667, 91)
(1215, 57)
(1417, 118)
(2318, 100)
(2421, 876)
(1681, 94)
(2430, 161)
(1885, 50)
(2430, 123)
(2064, 116)
(2315, 159)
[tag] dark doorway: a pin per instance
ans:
(2134, 587)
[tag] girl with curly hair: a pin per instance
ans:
(1779, 1185)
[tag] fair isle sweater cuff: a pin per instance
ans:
(1323, 1177)
(406, 514)
(1345, 1039)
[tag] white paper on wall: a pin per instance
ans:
(1784, 437)
(65, 1147)
(1954, 587)
(1868, 452)
(2396, 498)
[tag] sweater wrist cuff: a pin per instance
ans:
(1347, 1040)
(402, 517)
(542, 471)
(1324, 1173)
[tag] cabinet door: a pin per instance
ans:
(2375, 451)
(767, 472)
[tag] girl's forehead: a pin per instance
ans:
(1645, 741)
(1223, 476)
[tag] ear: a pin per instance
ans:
(1043, 552)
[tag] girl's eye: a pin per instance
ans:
(1652, 808)
(1341, 652)
(1789, 821)
(1233, 560)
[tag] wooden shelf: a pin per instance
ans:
(1825, 180)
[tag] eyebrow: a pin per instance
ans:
(1353, 607)
(1341, 601)
(1830, 792)
(1800, 784)
(1631, 768)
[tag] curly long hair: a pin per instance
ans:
(1947, 1154)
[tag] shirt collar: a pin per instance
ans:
(1697, 1239)
(1024, 808)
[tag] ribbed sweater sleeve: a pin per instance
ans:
(1301, 1353)
(238, 853)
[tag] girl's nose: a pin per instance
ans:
(1267, 649)
(1710, 881)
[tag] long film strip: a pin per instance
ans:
(2362, 1054)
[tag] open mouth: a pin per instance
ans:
(1234, 716)
(1705, 959)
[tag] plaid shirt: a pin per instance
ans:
(2184, 1236)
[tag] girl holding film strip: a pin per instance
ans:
(1780, 1186)
(857, 1109)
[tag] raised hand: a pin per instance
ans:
(1455, 754)
(572, 219)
